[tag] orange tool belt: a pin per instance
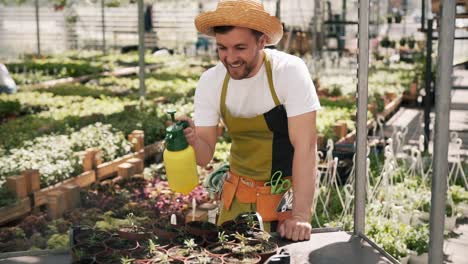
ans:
(250, 191)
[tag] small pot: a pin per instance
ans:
(113, 245)
(180, 252)
(450, 223)
(404, 260)
(211, 259)
(165, 231)
(419, 259)
(219, 250)
(130, 234)
(238, 258)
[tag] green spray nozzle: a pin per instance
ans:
(172, 113)
(175, 138)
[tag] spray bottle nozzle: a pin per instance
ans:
(172, 113)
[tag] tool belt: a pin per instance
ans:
(250, 191)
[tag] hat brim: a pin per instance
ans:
(250, 18)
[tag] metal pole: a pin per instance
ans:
(103, 28)
(441, 140)
(141, 49)
(423, 14)
(278, 9)
(361, 126)
(38, 34)
(428, 85)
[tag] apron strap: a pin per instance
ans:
(270, 79)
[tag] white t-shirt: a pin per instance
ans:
(251, 96)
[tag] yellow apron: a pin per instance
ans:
(260, 147)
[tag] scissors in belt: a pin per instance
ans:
(278, 184)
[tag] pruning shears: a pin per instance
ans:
(278, 184)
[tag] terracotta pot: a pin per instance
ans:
(267, 250)
(204, 259)
(121, 245)
(219, 249)
(165, 231)
(181, 252)
(133, 235)
(237, 258)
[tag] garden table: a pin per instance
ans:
(331, 247)
(325, 246)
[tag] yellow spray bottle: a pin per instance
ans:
(179, 158)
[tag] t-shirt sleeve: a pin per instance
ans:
(300, 95)
(206, 106)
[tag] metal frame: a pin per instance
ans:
(141, 49)
(444, 83)
(441, 140)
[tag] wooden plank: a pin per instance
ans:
(85, 179)
(13, 212)
(153, 149)
(109, 169)
(389, 109)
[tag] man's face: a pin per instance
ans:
(239, 50)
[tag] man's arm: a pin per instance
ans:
(303, 136)
(202, 139)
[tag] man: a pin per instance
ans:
(267, 101)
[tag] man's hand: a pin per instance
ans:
(189, 132)
(295, 228)
(202, 139)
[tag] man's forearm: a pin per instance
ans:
(304, 175)
(203, 152)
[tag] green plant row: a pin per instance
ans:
(58, 157)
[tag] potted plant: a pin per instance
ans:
(165, 229)
(411, 42)
(243, 253)
(417, 241)
(222, 247)
(398, 18)
(133, 231)
(121, 245)
(402, 42)
(204, 259)
(189, 249)
(389, 19)
(150, 253)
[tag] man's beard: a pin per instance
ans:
(244, 69)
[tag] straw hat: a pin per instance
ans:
(241, 13)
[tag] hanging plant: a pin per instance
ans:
(112, 3)
(398, 18)
(411, 43)
(385, 42)
(59, 5)
(389, 19)
(402, 42)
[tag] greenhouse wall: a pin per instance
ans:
(81, 28)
